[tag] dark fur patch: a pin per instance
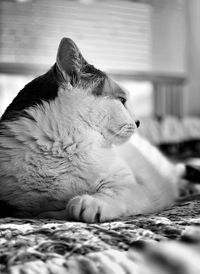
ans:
(7, 210)
(99, 88)
(92, 76)
(43, 88)
(103, 85)
(112, 89)
(91, 71)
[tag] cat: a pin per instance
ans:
(69, 149)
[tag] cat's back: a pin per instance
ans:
(44, 87)
(32, 161)
(17, 125)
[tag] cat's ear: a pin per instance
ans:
(69, 61)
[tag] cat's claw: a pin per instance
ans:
(84, 208)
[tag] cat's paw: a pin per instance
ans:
(84, 208)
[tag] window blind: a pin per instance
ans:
(114, 35)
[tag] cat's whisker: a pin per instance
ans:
(123, 133)
(127, 129)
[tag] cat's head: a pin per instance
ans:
(77, 95)
(98, 101)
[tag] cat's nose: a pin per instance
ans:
(137, 122)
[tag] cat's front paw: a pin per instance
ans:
(84, 208)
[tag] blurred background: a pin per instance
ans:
(151, 47)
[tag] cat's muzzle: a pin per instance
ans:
(127, 130)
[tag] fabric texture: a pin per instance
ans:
(50, 246)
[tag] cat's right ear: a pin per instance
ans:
(69, 61)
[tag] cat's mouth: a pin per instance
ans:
(121, 135)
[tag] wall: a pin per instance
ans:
(169, 36)
(193, 57)
(176, 45)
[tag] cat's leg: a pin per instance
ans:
(115, 199)
(94, 208)
(114, 202)
(122, 195)
(87, 208)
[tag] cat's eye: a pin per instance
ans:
(123, 100)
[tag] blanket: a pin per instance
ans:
(165, 242)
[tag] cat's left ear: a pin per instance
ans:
(69, 61)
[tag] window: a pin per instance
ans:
(115, 35)
(121, 37)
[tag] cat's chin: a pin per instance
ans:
(121, 140)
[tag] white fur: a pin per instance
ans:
(68, 158)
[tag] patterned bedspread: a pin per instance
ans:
(166, 242)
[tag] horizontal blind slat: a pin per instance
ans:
(118, 32)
